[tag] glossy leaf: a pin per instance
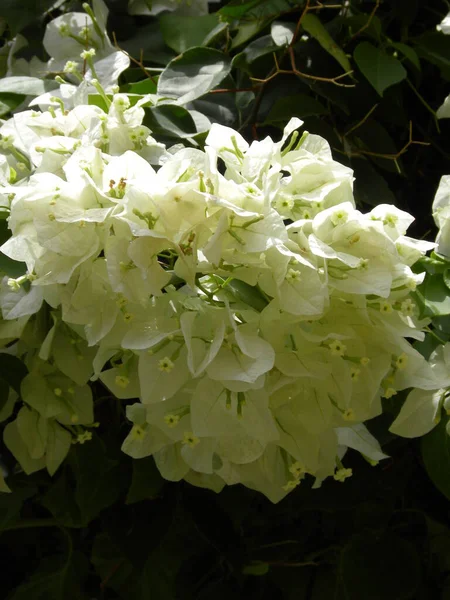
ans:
(381, 69)
(313, 25)
(193, 74)
(436, 456)
(182, 32)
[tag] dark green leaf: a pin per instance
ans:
(435, 48)
(260, 47)
(236, 10)
(12, 370)
(257, 10)
(56, 579)
(300, 105)
(435, 297)
(370, 187)
(246, 31)
(193, 74)
(312, 25)
(146, 481)
(170, 120)
(256, 568)
(98, 479)
(370, 24)
(147, 86)
(9, 102)
(60, 501)
(409, 53)
(11, 505)
(181, 32)
(374, 567)
(446, 276)
(379, 68)
(149, 42)
(20, 14)
(219, 108)
(436, 456)
(249, 294)
(111, 564)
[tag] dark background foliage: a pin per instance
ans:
(108, 527)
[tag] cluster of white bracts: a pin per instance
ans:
(236, 292)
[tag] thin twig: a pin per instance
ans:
(369, 20)
(425, 103)
(139, 63)
(363, 120)
(387, 156)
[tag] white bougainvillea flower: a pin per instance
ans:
(444, 25)
(255, 315)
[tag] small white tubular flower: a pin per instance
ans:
(70, 67)
(88, 54)
(189, 439)
(337, 348)
(165, 365)
(342, 474)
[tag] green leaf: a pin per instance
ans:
(9, 102)
(257, 10)
(409, 53)
(300, 105)
(11, 505)
(146, 481)
(370, 186)
(8, 400)
(193, 74)
(435, 448)
(260, 47)
(370, 24)
(3, 485)
(312, 25)
(446, 276)
(381, 70)
(27, 86)
(249, 294)
(56, 579)
(59, 500)
(12, 370)
(98, 479)
(147, 86)
(8, 266)
(256, 568)
(20, 14)
(106, 555)
(377, 566)
(433, 293)
(170, 120)
(148, 41)
(435, 48)
(181, 32)
(246, 31)
(236, 10)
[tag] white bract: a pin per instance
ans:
(76, 42)
(253, 313)
(441, 214)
